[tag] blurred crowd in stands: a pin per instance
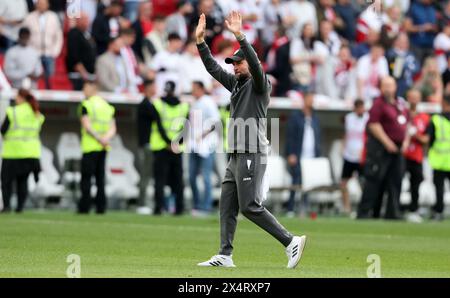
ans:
(339, 48)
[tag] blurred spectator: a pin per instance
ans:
(225, 49)
(403, 65)
(81, 53)
(446, 74)
(90, 7)
(135, 69)
(142, 26)
(176, 22)
(203, 118)
(302, 141)
(4, 84)
(328, 43)
(430, 83)
(342, 82)
(155, 41)
(111, 70)
(355, 127)
(295, 14)
(107, 25)
(388, 119)
(368, 20)
(166, 64)
(252, 14)
(326, 48)
(22, 62)
(279, 63)
(421, 24)
(192, 69)
(442, 46)
(363, 48)
(164, 7)
(371, 68)
(272, 19)
(214, 19)
(445, 15)
(392, 25)
(325, 11)
(12, 14)
(304, 59)
(414, 151)
(438, 154)
(131, 8)
(347, 12)
(46, 36)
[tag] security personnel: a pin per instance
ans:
(438, 133)
(21, 147)
(168, 166)
(383, 171)
(98, 127)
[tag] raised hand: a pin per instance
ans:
(234, 23)
(201, 29)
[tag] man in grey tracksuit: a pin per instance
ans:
(242, 187)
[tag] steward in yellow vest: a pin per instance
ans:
(439, 154)
(21, 148)
(98, 127)
(168, 162)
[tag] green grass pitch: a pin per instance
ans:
(36, 244)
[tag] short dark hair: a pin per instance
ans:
(447, 98)
(116, 3)
(112, 40)
(159, 18)
(127, 31)
(149, 82)
(358, 102)
(173, 36)
(24, 32)
(181, 3)
(199, 84)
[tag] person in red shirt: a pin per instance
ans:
(386, 132)
(414, 150)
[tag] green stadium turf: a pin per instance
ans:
(36, 244)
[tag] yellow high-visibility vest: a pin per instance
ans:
(22, 138)
(172, 120)
(101, 115)
(439, 152)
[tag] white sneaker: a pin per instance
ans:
(294, 251)
(218, 261)
(414, 217)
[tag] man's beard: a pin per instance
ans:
(242, 76)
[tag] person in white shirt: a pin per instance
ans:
(204, 118)
(296, 13)
(176, 22)
(441, 47)
(12, 14)
(355, 126)
(22, 62)
(166, 64)
(371, 68)
(46, 36)
(192, 69)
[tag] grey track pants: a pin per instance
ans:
(242, 188)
